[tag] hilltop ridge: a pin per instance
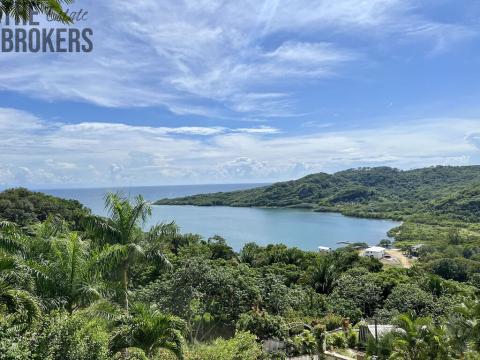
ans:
(378, 192)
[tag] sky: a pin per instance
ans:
(207, 91)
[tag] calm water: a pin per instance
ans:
(293, 227)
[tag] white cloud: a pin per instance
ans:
(183, 55)
(259, 130)
(98, 154)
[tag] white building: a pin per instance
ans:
(376, 252)
(324, 249)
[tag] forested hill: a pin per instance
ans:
(381, 192)
(24, 207)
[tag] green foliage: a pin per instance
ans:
(352, 339)
(63, 337)
(409, 297)
(457, 269)
(332, 321)
(26, 207)
(303, 343)
(323, 275)
(64, 293)
(242, 346)
(22, 10)
(124, 242)
(337, 340)
(149, 330)
(263, 325)
(418, 338)
(366, 192)
(358, 292)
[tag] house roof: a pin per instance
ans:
(375, 249)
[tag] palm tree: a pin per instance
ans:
(16, 276)
(149, 330)
(21, 10)
(17, 300)
(468, 326)
(124, 242)
(418, 339)
(51, 262)
(70, 272)
(324, 274)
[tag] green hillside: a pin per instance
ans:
(382, 192)
(24, 207)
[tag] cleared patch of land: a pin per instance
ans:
(397, 257)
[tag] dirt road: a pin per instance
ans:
(399, 257)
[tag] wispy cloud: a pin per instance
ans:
(214, 58)
(43, 154)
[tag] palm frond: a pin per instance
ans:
(22, 9)
(159, 259)
(101, 228)
(112, 256)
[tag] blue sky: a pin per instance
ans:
(182, 92)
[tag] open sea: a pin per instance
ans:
(293, 227)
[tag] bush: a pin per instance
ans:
(304, 343)
(337, 340)
(352, 339)
(264, 325)
(332, 321)
(60, 336)
(475, 280)
(243, 346)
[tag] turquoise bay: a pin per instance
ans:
(293, 227)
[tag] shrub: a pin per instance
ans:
(352, 339)
(243, 346)
(337, 340)
(264, 325)
(332, 321)
(304, 343)
(64, 337)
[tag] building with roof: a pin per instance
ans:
(376, 252)
(324, 249)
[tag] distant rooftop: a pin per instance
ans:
(375, 249)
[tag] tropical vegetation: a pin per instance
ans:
(74, 285)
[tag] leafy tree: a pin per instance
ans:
(263, 325)
(249, 253)
(357, 292)
(219, 248)
(209, 295)
(276, 297)
(409, 297)
(24, 207)
(450, 269)
(16, 278)
(385, 243)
